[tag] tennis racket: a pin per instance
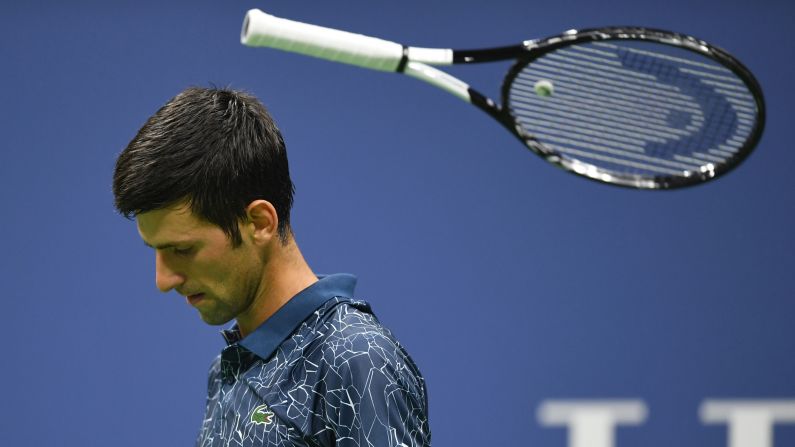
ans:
(628, 106)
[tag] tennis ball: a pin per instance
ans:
(544, 88)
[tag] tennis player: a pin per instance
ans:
(206, 179)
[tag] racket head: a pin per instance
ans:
(634, 107)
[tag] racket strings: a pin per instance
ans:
(634, 109)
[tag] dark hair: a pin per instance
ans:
(217, 149)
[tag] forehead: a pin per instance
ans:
(174, 224)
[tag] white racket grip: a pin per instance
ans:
(264, 30)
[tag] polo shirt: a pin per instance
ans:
(321, 371)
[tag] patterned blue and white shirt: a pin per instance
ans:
(321, 371)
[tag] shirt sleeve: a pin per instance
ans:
(373, 395)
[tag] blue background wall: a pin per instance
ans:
(509, 281)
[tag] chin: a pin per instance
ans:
(215, 320)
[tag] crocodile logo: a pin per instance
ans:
(262, 415)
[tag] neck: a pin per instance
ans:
(284, 275)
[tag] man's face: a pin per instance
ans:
(196, 258)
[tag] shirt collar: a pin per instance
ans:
(270, 334)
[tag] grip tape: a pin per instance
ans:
(264, 30)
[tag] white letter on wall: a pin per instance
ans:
(750, 421)
(591, 423)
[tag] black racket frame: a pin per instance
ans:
(528, 51)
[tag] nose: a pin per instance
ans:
(165, 277)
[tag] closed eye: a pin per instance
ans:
(183, 251)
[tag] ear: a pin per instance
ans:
(263, 222)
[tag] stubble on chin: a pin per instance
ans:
(215, 313)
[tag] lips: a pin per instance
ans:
(194, 299)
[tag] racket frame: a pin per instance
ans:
(531, 50)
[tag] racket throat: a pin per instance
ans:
(438, 78)
(489, 54)
(487, 105)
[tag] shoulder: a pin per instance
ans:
(214, 377)
(350, 330)
(215, 368)
(369, 390)
(355, 347)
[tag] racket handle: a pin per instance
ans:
(264, 30)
